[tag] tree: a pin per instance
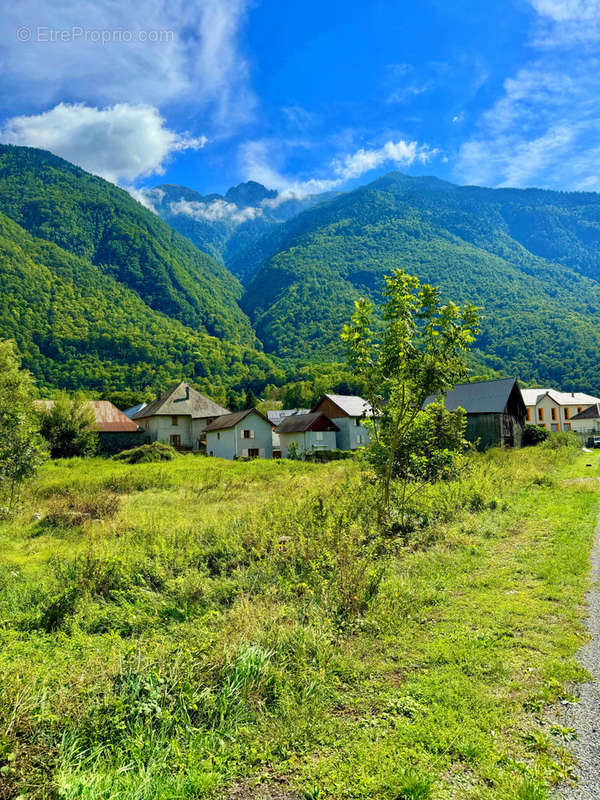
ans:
(21, 446)
(419, 353)
(68, 427)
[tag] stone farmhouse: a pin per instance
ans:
(178, 417)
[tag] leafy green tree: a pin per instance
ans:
(21, 446)
(68, 427)
(420, 352)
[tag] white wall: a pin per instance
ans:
(160, 428)
(564, 415)
(351, 436)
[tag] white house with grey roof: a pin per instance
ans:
(556, 410)
(244, 434)
(348, 412)
(179, 416)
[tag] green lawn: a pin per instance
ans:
(192, 628)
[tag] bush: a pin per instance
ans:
(68, 427)
(534, 434)
(322, 456)
(557, 441)
(147, 454)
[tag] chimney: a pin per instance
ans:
(187, 391)
(572, 394)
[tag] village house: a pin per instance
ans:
(178, 417)
(348, 412)
(116, 431)
(555, 410)
(495, 411)
(276, 416)
(309, 432)
(244, 434)
(587, 422)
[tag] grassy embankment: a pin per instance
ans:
(188, 629)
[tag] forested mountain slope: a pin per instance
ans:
(97, 221)
(529, 258)
(225, 226)
(76, 327)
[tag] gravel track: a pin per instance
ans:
(584, 716)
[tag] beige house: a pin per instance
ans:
(587, 422)
(179, 416)
(556, 410)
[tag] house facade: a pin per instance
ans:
(587, 422)
(309, 433)
(348, 412)
(556, 410)
(245, 434)
(495, 411)
(178, 417)
(276, 417)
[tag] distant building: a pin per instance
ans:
(179, 416)
(276, 417)
(348, 412)
(495, 411)
(587, 421)
(309, 432)
(555, 410)
(245, 434)
(116, 431)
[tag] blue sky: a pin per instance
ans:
(307, 96)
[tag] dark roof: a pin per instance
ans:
(182, 399)
(352, 405)
(279, 414)
(304, 422)
(480, 397)
(108, 418)
(593, 412)
(231, 420)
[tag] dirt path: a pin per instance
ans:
(584, 716)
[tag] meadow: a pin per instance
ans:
(204, 629)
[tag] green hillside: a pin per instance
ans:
(97, 221)
(228, 226)
(529, 258)
(77, 327)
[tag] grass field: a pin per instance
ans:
(198, 628)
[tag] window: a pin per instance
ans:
(319, 436)
(554, 428)
(541, 414)
(528, 415)
(579, 409)
(253, 452)
(567, 413)
(174, 420)
(248, 434)
(567, 426)
(175, 439)
(553, 412)
(359, 439)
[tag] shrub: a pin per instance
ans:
(68, 427)
(322, 456)
(147, 454)
(566, 439)
(534, 434)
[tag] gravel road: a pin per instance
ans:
(584, 716)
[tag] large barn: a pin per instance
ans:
(495, 411)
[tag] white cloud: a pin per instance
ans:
(120, 143)
(545, 128)
(103, 52)
(216, 210)
(257, 164)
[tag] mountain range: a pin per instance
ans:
(237, 290)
